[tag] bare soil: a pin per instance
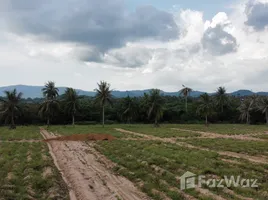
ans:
(82, 137)
(86, 172)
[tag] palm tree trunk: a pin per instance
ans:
(248, 119)
(186, 103)
(48, 122)
(206, 120)
(155, 122)
(12, 121)
(73, 120)
(222, 108)
(266, 115)
(102, 116)
(74, 111)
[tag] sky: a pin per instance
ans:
(135, 44)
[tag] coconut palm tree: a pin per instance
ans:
(185, 91)
(221, 98)
(206, 106)
(48, 109)
(50, 105)
(156, 105)
(103, 96)
(130, 109)
(245, 109)
(71, 99)
(10, 106)
(50, 91)
(262, 105)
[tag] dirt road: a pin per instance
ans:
(87, 172)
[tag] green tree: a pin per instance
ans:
(246, 107)
(130, 109)
(221, 98)
(185, 91)
(71, 100)
(10, 106)
(48, 109)
(103, 97)
(50, 91)
(262, 105)
(156, 105)
(51, 104)
(205, 106)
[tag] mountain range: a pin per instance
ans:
(35, 92)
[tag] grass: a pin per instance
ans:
(158, 165)
(239, 146)
(20, 133)
(226, 129)
(162, 131)
(23, 174)
(153, 165)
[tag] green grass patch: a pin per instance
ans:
(163, 131)
(23, 173)
(20, 133)
(226, 129)
(137, 160)
(238, 146)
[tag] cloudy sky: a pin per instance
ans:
(135, 44)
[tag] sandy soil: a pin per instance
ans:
(87, 173)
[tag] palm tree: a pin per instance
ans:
(50, 92)
(221, 97)
(156, 105)
(71, 99)
(10, 106)
(262, 105)
(185, 91)
(103, 96)
(48, 109)
(245, 109)
(130, 109)
(205, 106)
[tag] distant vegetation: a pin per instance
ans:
(152, 107)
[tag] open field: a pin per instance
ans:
(153, 159)
(22, 132)
(227, 129)
(27, 172)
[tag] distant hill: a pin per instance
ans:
(35, 92)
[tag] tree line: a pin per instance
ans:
(150, 108)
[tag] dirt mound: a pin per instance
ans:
(82, 137)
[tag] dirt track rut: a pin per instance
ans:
(86, 177)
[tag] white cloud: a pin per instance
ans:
(233, 54)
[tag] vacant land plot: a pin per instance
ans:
(154, 159)
(228, 129)
(162, 131)
(27, 172)
(20, 133)
(84, 129)
(157, 166)
(239, 146)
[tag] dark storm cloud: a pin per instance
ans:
(103, 24)
(218, 42)
(257, 15)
